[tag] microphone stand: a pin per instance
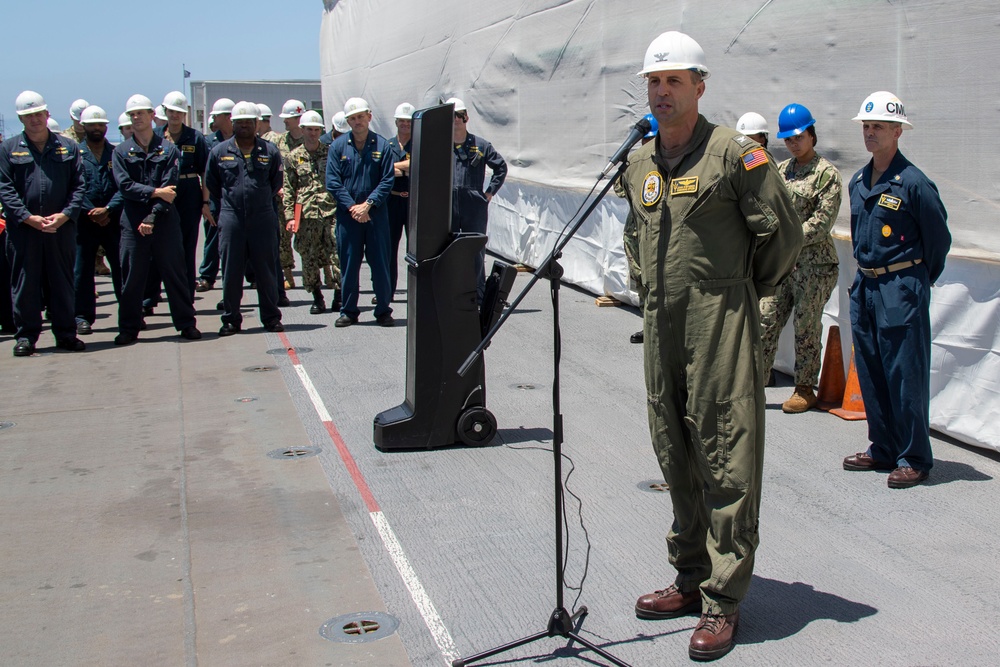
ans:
(560, 622)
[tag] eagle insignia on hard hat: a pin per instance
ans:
(661, 57)
(869, 106)
(652, 188)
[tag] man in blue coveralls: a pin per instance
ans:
(469, 204)
(900, 234)
(244, 177)
(222, 119)
(41, 191)
(192, 197)
(145, 168)
(99, 222)
(359, 175)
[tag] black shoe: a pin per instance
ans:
(335, 304)
(203, 285)
(220, 306)
(274, 327)
(228, 329)
(374, 300)
(319, 305)
(147, 310)
(125, 338)
(24, 348)
(283, 301)
(191, 333)
(385, 320)
(83, 328)
(345, 321)
(636, 337)
(71, 344)
(142, 325)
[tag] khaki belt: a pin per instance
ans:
(892, 268)
(189, 175)
(400, 194)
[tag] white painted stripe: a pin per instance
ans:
(424, 605)
(430, 615)
(313, 394)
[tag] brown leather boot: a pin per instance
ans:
(668, 603)
(802, 399)
(713, 636)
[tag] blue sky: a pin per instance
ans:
(106, 50)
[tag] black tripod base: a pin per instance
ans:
(560, 625)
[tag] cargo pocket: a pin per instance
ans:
(725, 440)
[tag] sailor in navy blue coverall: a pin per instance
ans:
(359, 176)
(900, 235)
(146, 169)
(41, 191)
(100, 220)
(243, 178)
(469, 204)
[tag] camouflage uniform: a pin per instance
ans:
(285, 144)
(70, 133)
(816, 191)
(305, 184)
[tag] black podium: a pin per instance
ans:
(444, 323)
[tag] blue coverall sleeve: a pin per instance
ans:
(334, 183)
(381, 192)
(499, 167)
(13, 208)
(77, 188)
(933, 221)
(212, 179)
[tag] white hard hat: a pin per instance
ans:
(884, 106)
(674, 51)
(265, 111)
(311, 119)
(94, 114)
(29, 102)
(459, 104)
(291, 109)
(77, 108)
(355, 105)
(222, 105)
(752, 123)
(137, 102)
(176, 101)
(340, 123)
(405, 111)
(160, 112)
(52, 124)
(245, 111)
(124, 121)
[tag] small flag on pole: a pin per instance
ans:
(187, 74)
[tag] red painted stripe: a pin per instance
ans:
(352, 468)
(291, 350)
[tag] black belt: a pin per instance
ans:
(182, 176)
(892, 268)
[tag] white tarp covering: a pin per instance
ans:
(552, 84)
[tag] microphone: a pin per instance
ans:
(638, 131)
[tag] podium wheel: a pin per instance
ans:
(476, 427)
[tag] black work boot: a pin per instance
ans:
(319, 305)
(335, 306)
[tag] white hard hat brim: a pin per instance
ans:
(676, 67)
(27, 112)
(861, 118)
(174, 108)
(94, 120)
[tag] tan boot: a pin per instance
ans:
(802, 399)
(289, 279)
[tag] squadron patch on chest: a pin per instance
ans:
(684, 186)
(652, 188)
(890, 202)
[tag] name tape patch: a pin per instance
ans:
(684, 186)
(890, 202)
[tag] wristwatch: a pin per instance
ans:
(370, 202)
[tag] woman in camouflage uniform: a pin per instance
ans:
(815, 187)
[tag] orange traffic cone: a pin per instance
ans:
(831, 380)
(853, 407)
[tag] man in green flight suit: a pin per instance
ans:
(717, 230)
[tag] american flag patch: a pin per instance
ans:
(754, 158)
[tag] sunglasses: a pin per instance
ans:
(461, 114)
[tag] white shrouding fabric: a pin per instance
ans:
(552, 84)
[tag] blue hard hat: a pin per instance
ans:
(654, 126)
(793, 120)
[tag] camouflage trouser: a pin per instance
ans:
(315, 244)
(285, 244)
(806, 291)
(630, 239)
(334, 259)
